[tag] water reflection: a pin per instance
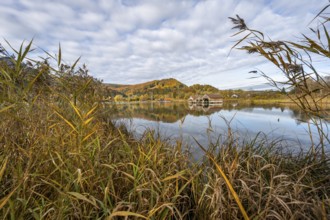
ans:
(209, 123)
(171, 112)
(163, 111)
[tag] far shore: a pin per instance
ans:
(251, 101)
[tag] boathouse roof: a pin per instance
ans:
(212, 96)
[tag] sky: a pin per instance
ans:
(134, 41)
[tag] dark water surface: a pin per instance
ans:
(179, 121)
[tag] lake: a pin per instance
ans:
(187, 123)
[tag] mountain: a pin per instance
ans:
(147, 86)
(204, 88)
(159, 90)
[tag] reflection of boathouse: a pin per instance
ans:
(209, 109)
(207, 99)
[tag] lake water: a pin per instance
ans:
(179, 121)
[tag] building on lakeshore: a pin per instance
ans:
(234, 96)
(207, 99)
(195, 99)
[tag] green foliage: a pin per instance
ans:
(203, 89)
(16, 77)
(119, 98)
(153, 90)
(162, 89)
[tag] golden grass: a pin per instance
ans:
(74, 163)
(61, 157)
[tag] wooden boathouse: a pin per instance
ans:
(207, 99)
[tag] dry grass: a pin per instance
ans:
(73, 163)
(270, 184)
(61, 157)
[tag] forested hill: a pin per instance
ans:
(159, 90)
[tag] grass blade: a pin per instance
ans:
(3, 168)
(125, 214)
(229, 185)
(66, 121)
(82, 197)
(4, 200)
(6, 108)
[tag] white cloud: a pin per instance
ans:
(131, 41)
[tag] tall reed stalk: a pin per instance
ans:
(294, 59)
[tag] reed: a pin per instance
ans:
(62, 157)
(310, 88)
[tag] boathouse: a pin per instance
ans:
(195, 99)
(212, 99)
(192, 99)
(205, 99)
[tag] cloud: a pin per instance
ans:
(134, 41)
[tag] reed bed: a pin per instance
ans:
(62, 162)
(61, 157)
